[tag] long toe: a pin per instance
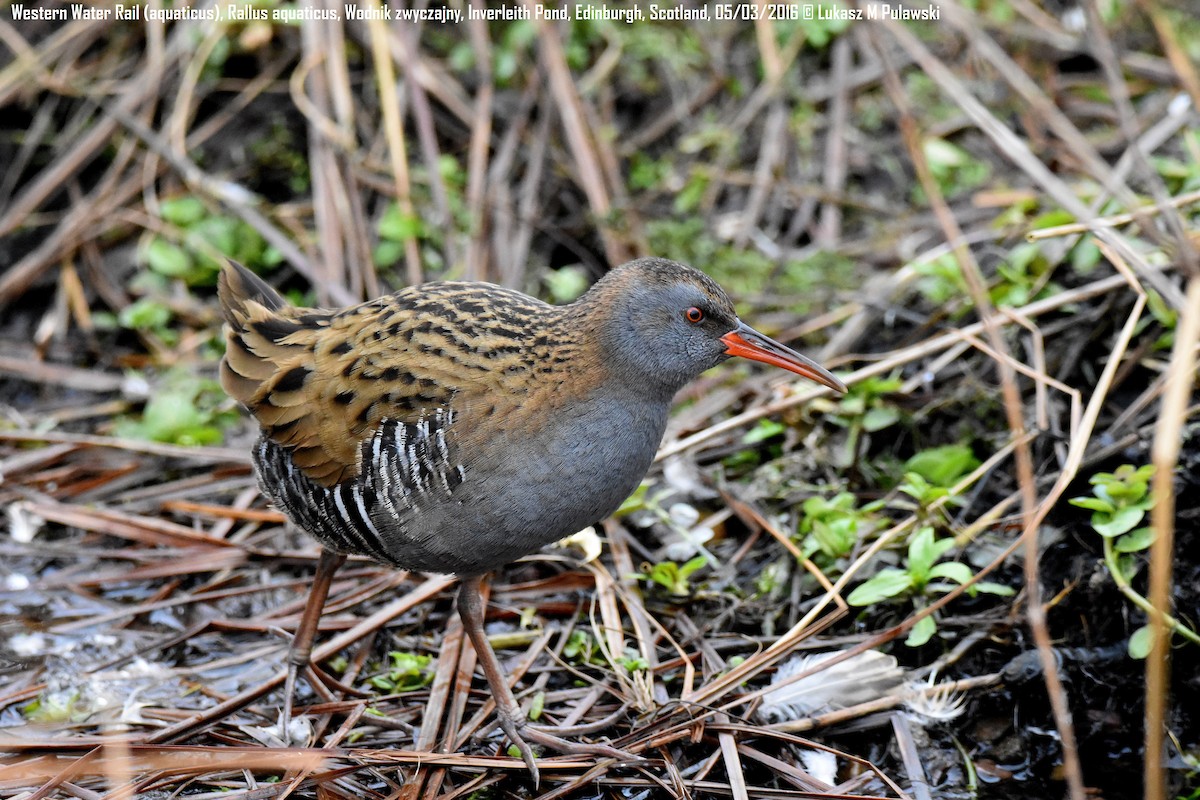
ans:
(513, 730)
(546, 739)
(583, 730)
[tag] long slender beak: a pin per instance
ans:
(746, 342)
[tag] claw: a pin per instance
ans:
(512, 730)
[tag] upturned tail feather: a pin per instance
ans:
(248, 304)
(263, 357)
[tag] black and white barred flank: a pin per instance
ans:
(403, 468)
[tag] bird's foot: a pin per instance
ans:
(508, 713)
(519, 729)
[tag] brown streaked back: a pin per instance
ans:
(320, 382)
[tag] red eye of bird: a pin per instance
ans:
(694, 314)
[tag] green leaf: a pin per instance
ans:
(634, 502)
(399, 227)
(922, 632)
(1146, 503)
(1135, 541)
(836, 537)
(198, 436)
(1139, 642)
(387, 253)
(219, 233)
(921, 490)
(566, 284)
(1128, 565)
(56, 707)
(880, 417)
(914, 485)
(943, 466)
(537, 706)
(853, 404)
(1052, 219)
(170, 412)
(145, 314)
(689, 197)
(167, 258)
(1123, 521)
(921, 553)
(1093, 503)
(691, 566)
(998, 589)
(182, 210)
(1118, 489)
(954, 570)
(183, 409)
(1085, 256)
(889, 582)
(924, 551)
(765, 429)
(942, 154)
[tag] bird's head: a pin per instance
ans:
(661, 324)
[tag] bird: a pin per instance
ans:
(454, 427)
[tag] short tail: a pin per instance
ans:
(236, 285)
(254, 328)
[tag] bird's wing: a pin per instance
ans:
(322, 382)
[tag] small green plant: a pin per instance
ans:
(184, 408)
(864, 409)
(397, 228)
(633, 661)
(566, 284)
(152, 315)
(1119, 499)
(747, 457)
(770, 581)
(942, 466)
(924, 573)
(1166, 316)
(930, 474)
(671, 576)
(1024, 276)
(954, 169)
(764, 429)
(407, 672)
(195, 245)
(148, 314)
(830, 528)
(646, 172)
(827, 26)
(56, 707)
(940, 279)
(1020, 279)
(1119, 502)
(922, 491)
(581, 648)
